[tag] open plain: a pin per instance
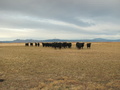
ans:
(46, 68)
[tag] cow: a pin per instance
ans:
(26, 44)
(43, 44)
(47, 44)
(82, 45)
(88, 45)
(36, 44)
(79, 45)
(57, 45)
(64, 44)
(31, 44)
(69, 45)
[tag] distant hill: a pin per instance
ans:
(61, 40)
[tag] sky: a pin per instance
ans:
(59, 19)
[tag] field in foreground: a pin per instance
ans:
(38, 68)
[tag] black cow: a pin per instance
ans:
(69, 45)
(88, 45)
(31, 44)
(79, 45)
(26, 44)
(57, 45)
(38, 44)
(82, 45)
(43, 44)
(64, 44)
(47, 44)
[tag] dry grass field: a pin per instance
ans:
(44, 68)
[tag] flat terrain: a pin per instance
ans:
(44, 68)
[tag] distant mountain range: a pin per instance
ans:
(61, 40)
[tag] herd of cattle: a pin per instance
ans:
(59, 45)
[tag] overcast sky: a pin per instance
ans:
(61, 19)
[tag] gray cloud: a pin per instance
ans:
(67, 18)
(62, 8)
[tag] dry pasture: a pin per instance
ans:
(44, 68)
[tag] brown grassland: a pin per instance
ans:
(44, 68)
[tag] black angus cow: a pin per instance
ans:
(38, 44)
(57, 45)
(43, 44)
(26, 44)
(31, 44)
(88, 45)
(69, 45)
(47, 44)
(79, 45)
(64, 44)
(61, 45)
(82, 45)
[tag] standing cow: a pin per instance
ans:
(88, 45)
(79, 45)
(26, 44)
(38, 44)
(69, 45)
(31, 44)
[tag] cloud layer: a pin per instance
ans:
(63, 19)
